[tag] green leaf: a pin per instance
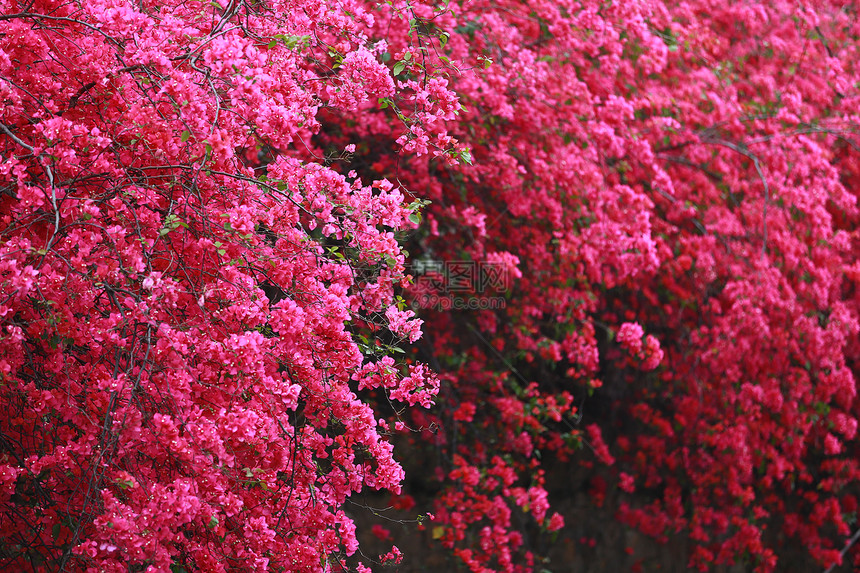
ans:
(415, 218)
(124, 483)
(398, 67)
(213, 522)
(443, 39)
(185, 136)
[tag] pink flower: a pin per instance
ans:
(630, 337)
(401, 323)
(626, 482)
(556, 522)
(394, 556)
(653, 354)
(832, 445)
(380, 532)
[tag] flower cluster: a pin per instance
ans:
(676, 187)
(184, 289)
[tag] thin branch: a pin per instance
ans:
(743, 150)
(16, 139)
(848, 545)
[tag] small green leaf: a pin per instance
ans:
(415, 218)
(213, 522)
(398, 67)
(185, 136)
(125, 483)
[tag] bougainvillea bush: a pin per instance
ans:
(206, 349)
(182, 297)
(670, 190)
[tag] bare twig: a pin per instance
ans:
(743, 150)
(848, 545)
